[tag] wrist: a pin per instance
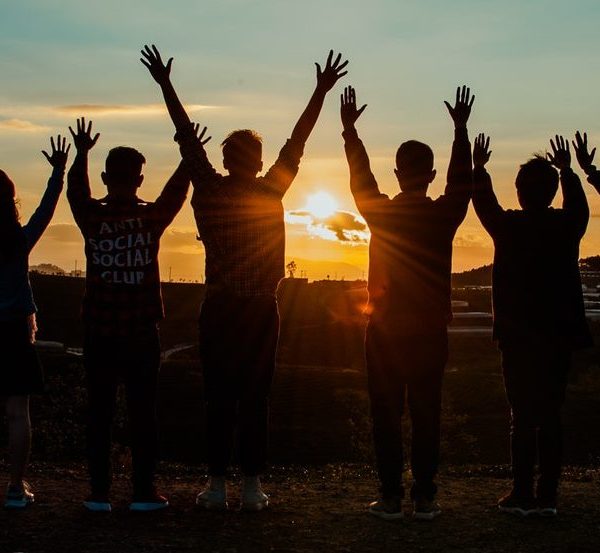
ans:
(590, 169)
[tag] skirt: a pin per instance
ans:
(21, 372)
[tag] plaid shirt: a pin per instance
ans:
(123, 295)
(240, 223)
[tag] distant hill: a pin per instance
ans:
(481, 276)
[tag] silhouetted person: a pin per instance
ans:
(585, 159)
(121, 309)
(20, 371)
(410, 257)
(539, 316)
(240, 222)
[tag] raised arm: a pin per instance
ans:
(459, 179)
(78, 182)
(362, 181)
(191, 145)
(42, 216)
(282, 173)
(161, 72)
(575, 203)
(172, 197)
(586, 159)
(484, 200)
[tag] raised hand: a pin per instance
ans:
(152, 60)
(60, 152)
(462, 107)
(561, 155)
(333, 71)
(481, 150)
(83, 139)
(200, 136)
(584, 158)
(348, 111)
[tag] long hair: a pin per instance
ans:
(10, 228)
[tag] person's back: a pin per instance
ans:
(406, 340)
(121, 310)
(410, 256)
(21, 373)
(539, 316)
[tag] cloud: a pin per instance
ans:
(341, 226)
(471, 241)
(122, 110)
(21, 125)
(180, 240)
(65, 233)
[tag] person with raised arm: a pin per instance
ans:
(240, 221)
(21, 373)
(122, 307)
(539, 317)
(585, 158)
(410, 259)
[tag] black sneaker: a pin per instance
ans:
(387, 508)
(517, 505)
(18, 498)
(424, 509)
(151, 501)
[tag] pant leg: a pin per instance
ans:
(428, 356)
(141, 384)
(102, 381)
(260, 320)
(550, 443)
(519, 369)
(217, 349)
(386, 394)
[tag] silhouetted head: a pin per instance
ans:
(414, 166)
(537, 183)
(9, 214)
(242, 153)
(123, 171)
(9, 217)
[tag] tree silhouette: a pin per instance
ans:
(291, 268)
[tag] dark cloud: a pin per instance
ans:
(347, 226)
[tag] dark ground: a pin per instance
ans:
(313, 510)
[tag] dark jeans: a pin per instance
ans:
(404, 367)
(136, 362)
(238, 342)
(535, 377)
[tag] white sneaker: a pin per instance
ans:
(214, 496)
(253, 498)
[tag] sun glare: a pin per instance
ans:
(321, 205)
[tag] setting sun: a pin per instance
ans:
(321, 205)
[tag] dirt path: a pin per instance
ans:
(312, 510)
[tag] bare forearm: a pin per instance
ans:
(309, 117)
(175, 108)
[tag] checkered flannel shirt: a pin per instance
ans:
(240, 223)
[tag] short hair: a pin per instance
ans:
(536, 182)
(414, 158)
(124, 163)
(9, 212)
(238, 143)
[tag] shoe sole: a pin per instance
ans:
(212, 506)
(17, 503)
(548, 512)
(386, 516)
(254, 507)
(97, 506)
(426, 516)
(518, 511)
(142, 507)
